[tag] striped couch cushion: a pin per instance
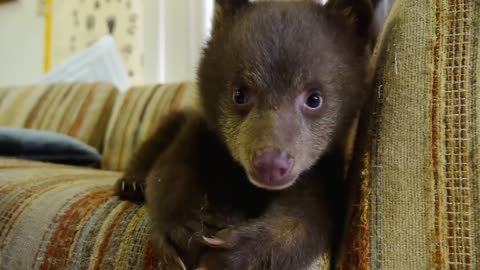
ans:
(418, 199)
(79, 110)
(60, 217)
(136, 115)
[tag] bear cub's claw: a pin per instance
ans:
(128, 189)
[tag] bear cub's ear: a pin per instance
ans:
(358, 13)
(230, 7)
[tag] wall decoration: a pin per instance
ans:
(73, 25)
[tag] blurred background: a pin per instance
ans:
(144, 41)
(156, 40)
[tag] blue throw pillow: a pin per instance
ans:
(46, 146)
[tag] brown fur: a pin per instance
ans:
(196, 166)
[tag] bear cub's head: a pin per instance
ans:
(281, 82)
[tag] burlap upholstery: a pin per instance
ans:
(79, 110)
(417, 200)
(136, 115)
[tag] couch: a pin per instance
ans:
(64, 217)
(415, 172)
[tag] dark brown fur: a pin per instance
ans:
(196, 164)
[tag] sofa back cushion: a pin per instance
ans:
(136, 115)
(79, 110)
(417, 195)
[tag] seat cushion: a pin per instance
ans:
(60, 217)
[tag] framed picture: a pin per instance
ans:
(74, 25)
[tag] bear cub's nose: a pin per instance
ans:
(270, 168)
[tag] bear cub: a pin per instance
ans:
(254, 178)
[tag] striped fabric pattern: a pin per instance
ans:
(136, 115)
(60, 217)
(79, 110)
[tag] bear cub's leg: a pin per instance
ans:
(132, 185)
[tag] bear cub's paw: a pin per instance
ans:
(130, 188)
(236, 248)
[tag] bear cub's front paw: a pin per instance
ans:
(235, 249)
(130, 188)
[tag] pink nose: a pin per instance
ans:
(271, 168)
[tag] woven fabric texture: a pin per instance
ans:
(136, 115)
(60, 217)
(79, 110)
(417, 205)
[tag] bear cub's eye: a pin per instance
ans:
(314, 99)
(241, 97)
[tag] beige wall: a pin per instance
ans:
(21, 42)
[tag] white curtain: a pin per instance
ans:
(175, 33)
